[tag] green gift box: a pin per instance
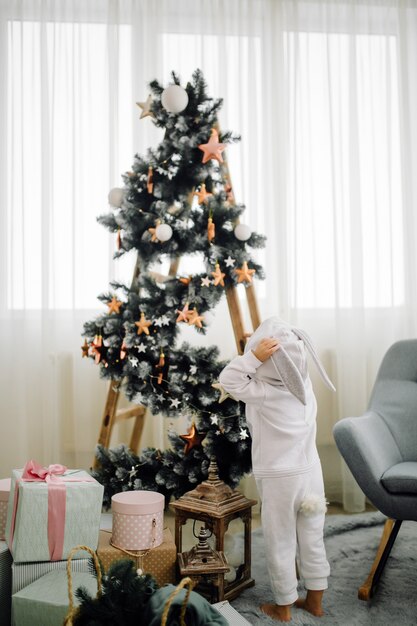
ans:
(45, 601)
(48, 515)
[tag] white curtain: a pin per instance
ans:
(323, 94)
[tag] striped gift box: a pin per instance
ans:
(5, 584)
(232, 616)
(23, 574)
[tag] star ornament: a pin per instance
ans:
(213, 149)
(203, 195)
(192, 439)
(143, 325)
(96, 348)
(114, 305)
(223, 393)
(205, 282)
(244, 273)
(243, 434)
(183, 314)
(194, 319)
(218, 276)
(85, 348)
(146, 107)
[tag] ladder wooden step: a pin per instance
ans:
(124, 414)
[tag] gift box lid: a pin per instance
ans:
(4, 489)
(137, 502)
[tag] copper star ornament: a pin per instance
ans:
(183, 314)
(193, 439)
(203, 195)
(114, 305)
(85, 348)
(96, 348)
(218, 276)
(244, 273)
(143, 325)
(213, 149)
(185, 280)
(146, 107)
(194, 319)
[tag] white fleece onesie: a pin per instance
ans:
(281, 414)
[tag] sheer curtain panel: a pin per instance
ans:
(323, 94)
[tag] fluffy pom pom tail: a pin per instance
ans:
(313, 505)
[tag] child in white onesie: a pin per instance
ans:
(272, 379)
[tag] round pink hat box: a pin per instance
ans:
(138, 519)
(4, 499)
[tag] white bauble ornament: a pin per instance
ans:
(116, 196)
(163, 232)
(174, 99)
(242, 232)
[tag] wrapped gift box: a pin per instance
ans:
(138, 518)
(5, 583)
(45, 601)
(4, 498)
(232, 616)
(78, 523)
(160, 562)
(23, 574)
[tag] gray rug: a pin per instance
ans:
(351, 544)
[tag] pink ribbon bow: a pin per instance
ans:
(33, 472)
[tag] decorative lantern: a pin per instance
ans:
(206, 567)
(216, 504)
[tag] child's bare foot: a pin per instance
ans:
(311, 603)
(280, 612)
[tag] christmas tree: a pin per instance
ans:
(177, 200)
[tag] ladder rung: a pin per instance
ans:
(124, 414)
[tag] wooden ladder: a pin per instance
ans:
(112, 415)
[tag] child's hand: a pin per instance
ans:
(265, 348)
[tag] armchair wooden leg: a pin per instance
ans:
(390, 532)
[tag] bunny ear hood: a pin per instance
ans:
(288, 365)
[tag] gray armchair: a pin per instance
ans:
(380, 448)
